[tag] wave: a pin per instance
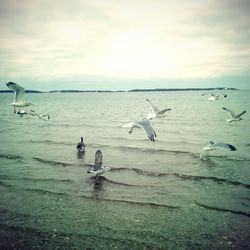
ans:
(182, 176)
(47, 180)
(6, 177)
(101, 179)
(139, 171)
(45, 192)
(53, 163)
(11, 157)
(229, 158)
(139, 149)
(140, 203)
(51, 142)
(152, 150)
(212, 178)
(3, 184)
(223, 209)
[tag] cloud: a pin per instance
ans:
(116, 40)
(226, 21)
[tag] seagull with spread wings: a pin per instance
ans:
(233, 116)
(219, 145)
(213, 97)
(142, 124)
(156, 112)
(19, 100)
(98, 168)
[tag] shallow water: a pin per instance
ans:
(158, 195)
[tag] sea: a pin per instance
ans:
(166, 194)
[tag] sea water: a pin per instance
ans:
(158, 195)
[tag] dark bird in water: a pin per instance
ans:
(80, 146)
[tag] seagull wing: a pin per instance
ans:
(15, 87)
(239, 115)
(231, 113)
(129, 125)
(19, 91)
(154, 108)
(209, 94)
(225, 146)
(146, 125)
(222, 95)
(98, 160)
(161, 112)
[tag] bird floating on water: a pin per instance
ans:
(156, 112)
(80, 146)
(98, 168)
(143, 124)
(19, 100)
(233, 116)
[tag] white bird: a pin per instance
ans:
(213, 97)
(220, 145)
(143, 124)
(156, 112)
(80, 146)
(98, 169)
(19, 100)
(21, 113)
(40, 116)
(232, 115)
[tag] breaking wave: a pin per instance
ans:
(223, 209)
(11, 157)
(53, 163)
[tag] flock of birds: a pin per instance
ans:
(145, 123)
(20, 102)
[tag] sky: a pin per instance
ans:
(122, 45)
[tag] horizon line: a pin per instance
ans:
(131, 90)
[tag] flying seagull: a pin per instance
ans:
(44, 117)
(143, 124)
(19, 100)
(98, 169)
(232, 115)
(156, 112)
(220, 145)
(80, 146)
(40, 116)
(213, 97)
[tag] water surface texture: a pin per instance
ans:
(158, 195)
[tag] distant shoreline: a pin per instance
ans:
(132, 90)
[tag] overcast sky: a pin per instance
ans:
(117, 44)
